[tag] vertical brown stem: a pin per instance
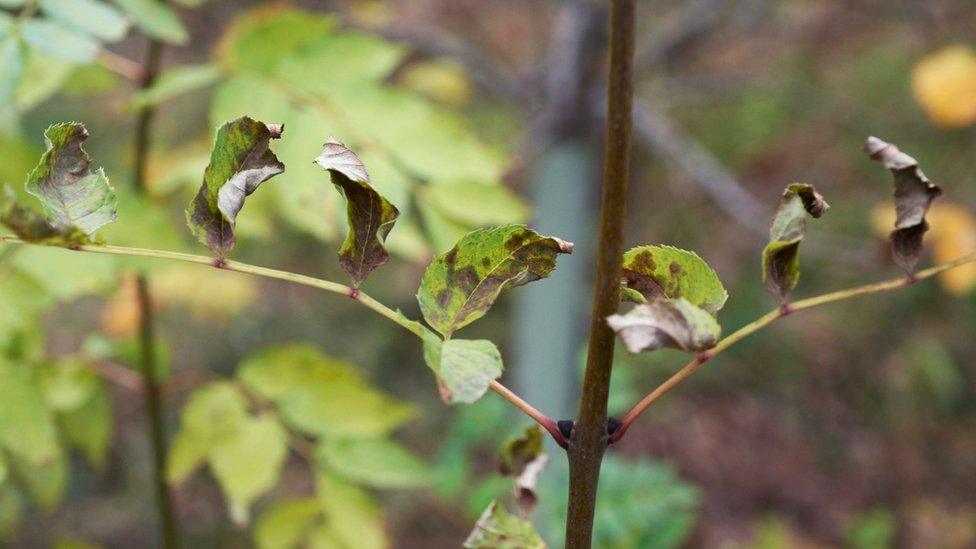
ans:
(155, 410)
(589, 439)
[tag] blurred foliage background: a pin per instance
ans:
(852, 425)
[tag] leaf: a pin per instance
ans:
(666, 323)
(321, 396)
(11, 60)
(57, 40)
(914, 194)
(669, 272)
(460, 286)
(370, 216)
(781, 257)
(477, 203)
(464, 368)
(212, 413)
(523, 458)
(72, 195)
(27, 429)
(353, 518)
(11, 511)
(375, 462)
(176, 82)
(34, 227)
(497, 529)
(944, 84)
(286, 524)
(90, 426)
(67, 384)
(249, 463)
(239, 162)
(156, 19)
(91, 17)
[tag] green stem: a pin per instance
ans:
(773, 316)
(589, 437)
(327, 285)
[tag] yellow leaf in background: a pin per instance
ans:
(442, 80)
(944, 83)
(208, 293)
(952, 234)
(120, 317)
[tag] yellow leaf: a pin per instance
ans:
(952, 235)
(944, 83)
(209, 294)
(121, 315)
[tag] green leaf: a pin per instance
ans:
(67, 384)
(669, 272)
(666, 323)
(781, 257)
(73, 195)
(248, 464)
(477, 203)
(286, 524)
(156, 19)
(464, 368)
(375, 462)
(90, 426)
(239, 163)
(353, 518)
(497, 529)
(11, 511)
(461, 285)
(212, 413)
(91, 17)
(520, 450)
(321, 396)
(60, 41)
(27, 428)
(370, 216)
(176, 82)
(43, 76)
(914, 194)
(34, 227)
(11, 61)
(259, 39)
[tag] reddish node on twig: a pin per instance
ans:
(910, 278)
(219, 263)
(74, 247)
(353, 293)
(785, 309)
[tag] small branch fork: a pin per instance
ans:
(542, 419)
(327, 285)
(783, 310)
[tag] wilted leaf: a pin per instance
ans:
(286, 523)
(72, 195)
(156, 19)
(523, 458)
(669, 272)
(370, 215)
(914, 194)
(497, 529)
(666, 323)
(91, 17)
(464, 368)
(375, 462)
(461, 285)
(781, 257)
(239, 163)
(944, 83)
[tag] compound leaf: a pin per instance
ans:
(914, 194)
(781, 257)
(370, 215)
(669, 272)
(666, 323)
(239, 162)
(461, 285)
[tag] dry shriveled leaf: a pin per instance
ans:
(666, 323)
(914, 194)
(781, 257)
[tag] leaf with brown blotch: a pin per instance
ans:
(781, 257)
(370, 215)
(914, 194)
(239, 162)
(523, 457)
(674, 323)
(498, 529)
(667, 272)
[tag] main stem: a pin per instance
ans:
(589, 437)
(155, 410)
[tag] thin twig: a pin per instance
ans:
(769, 318)
(121, 65)
(327, 285)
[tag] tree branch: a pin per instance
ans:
(769, 318)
